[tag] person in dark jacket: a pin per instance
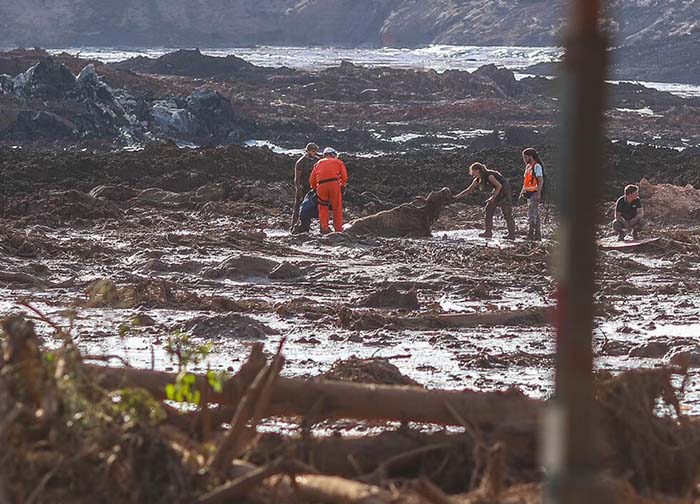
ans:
(302, 172)
(500, 197)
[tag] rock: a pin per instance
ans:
(113, 192)
(377, 371)
(522, 137)
(165, 199)
(7, 84)
(285, 271)
(410, 219)
(489, 141)
(503, 79)
(232, 325)
(30, 126)
(171, 119)
(391, 297)
(242, 266)
(654, 350)
(203, 117)
(686, 358)
(142, 320)
(48, 79)
(155, 265)
(188, 62)
(211, 193)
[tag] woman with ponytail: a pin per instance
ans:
(533, 184)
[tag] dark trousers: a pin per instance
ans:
(505, 203)
(635, 224)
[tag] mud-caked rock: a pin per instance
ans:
(653, 350)
(685, 357)
(119, 192)
(233, 326)
(284, 271)
(242, 266)
(391, 297)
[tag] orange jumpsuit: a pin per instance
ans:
(328, 177)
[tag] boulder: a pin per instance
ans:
(391, 297)
(231, 325)
(242, 266)
(654, 350)
(689, 357)
(284, 271)
(48, 79)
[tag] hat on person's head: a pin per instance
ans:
(311, 146)
(330, 151)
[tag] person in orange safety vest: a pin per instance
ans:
(328, 178)
(533, 182)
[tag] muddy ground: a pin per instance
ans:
(133, 248)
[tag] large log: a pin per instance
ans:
(530, 317)
(324, 399)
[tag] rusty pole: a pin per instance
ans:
(569, 431)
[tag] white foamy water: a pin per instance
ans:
(436, 57)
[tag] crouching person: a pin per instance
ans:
(629, 214)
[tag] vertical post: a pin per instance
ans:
(569, 430)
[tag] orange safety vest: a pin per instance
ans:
(530, 184)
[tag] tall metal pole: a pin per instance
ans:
(569, 431)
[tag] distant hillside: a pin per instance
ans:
(658, 39)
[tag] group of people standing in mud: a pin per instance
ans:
(320, 180)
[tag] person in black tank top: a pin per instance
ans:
(500, 197)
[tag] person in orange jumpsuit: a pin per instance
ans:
(328, 178)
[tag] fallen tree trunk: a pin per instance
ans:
(156, 381)
(533, 316)
(323, 399)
